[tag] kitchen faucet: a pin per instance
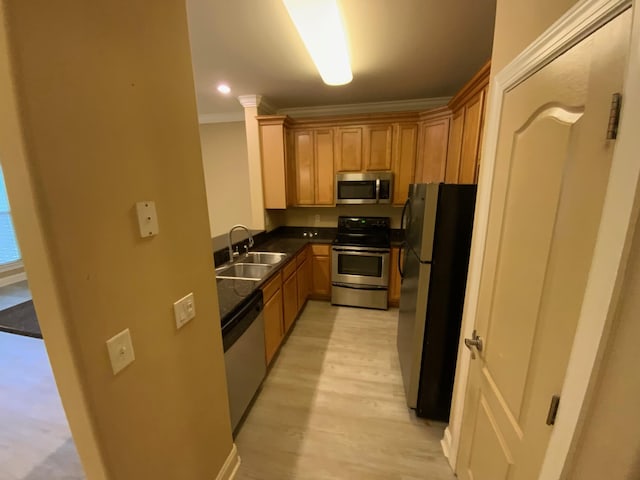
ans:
(231, 254)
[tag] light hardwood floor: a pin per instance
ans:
(333, 406)
(35, 441)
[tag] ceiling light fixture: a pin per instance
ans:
(224, 89)
(319, 24)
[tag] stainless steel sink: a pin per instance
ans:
(268, 258)
(244, 271)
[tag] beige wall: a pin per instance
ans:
(519, 23)
(226, 174)
(328, 216)
(108, 118)
(609, 446)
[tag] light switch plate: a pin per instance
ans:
(147, 218)
(120, 350)
(184, 310)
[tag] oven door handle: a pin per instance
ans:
(361, 252)
(358, 287)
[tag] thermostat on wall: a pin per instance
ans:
(147, 218)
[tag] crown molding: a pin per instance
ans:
(265, 108)
(221, 117)
(248, 101)
(373, 107)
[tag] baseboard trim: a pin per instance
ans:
(11, 279)
(231, 464)
(445, 443)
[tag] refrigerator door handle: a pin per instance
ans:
(403, 216)
(400, 261)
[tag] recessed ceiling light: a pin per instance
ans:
(224, 89)
(322, 31)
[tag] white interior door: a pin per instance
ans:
(551, 172)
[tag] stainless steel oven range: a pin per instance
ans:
(360, 262)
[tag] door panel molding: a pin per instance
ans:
(622, 204)
(481, 462)
(500, 400)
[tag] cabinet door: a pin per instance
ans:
(308, 276)
(303, 151)
(321, 275)
(471, 138)
(349, 149)
(404, 160)
(273, 328)
(377, 147)
(290, 155)
(290, 301)
(431, 167)
(303, 286)
(394, 278)
(324, 176)
(452, 172)
(272, 154)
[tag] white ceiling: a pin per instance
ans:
(400, 50)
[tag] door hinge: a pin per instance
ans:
(614, 116)
(553, 410)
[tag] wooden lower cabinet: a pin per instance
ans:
(273, 328)
(304, 282)
(272, 313)
(285, 296)
(321, 272)
(290, 300)
(395, 280)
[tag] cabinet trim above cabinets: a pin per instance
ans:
(478, 82)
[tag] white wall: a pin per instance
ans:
(609, 446)
(226, 171)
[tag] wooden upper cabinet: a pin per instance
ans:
(324, 161)
(348, 154)
(377, 147)
(274, 161)
(471, 138)
(404, 159)
(313, 166)
(466, 129)
(303, 154)
(455, 147)
(434, 136)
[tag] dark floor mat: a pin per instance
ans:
(20, 319)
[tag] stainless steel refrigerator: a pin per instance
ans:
(437, 221)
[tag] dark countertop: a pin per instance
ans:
(232, 293)
(289, 240)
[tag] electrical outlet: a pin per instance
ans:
(120, 350)
(147, 218)
(317, 219)
(184, 310)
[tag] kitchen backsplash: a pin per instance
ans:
(328, 216)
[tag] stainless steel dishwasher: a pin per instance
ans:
(244, 356)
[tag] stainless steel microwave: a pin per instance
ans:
(364, 188)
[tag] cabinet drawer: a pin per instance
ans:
(271, 287)
(289, 269)
(319, 249)
(302, 256)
